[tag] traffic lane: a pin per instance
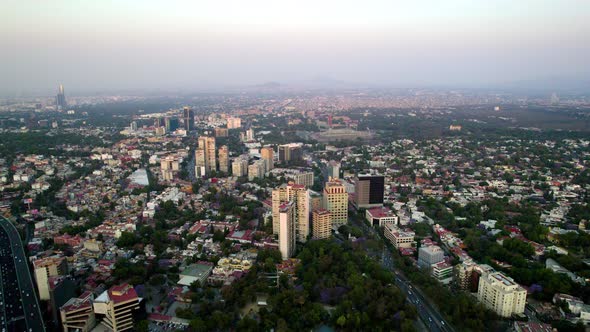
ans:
(404, 283)
(421, 303)
(29, 301)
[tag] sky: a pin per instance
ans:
(175, 44)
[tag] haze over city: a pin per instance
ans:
(322, 166)
(204, 45)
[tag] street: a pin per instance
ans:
(19, 299)
(427, 311)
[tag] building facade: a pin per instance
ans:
(223, 155)
(336, 201)
(46, 268)
(298, 195)
(304, 178)
(427, 256)
(117, 305)
(205, 156)
(398, 238)
(501, 294)
(321, 224)
(78, 314)
(287, 230)
(369, 190)
(239, 167)
(268, 155)
(290, 152)
(188, 116)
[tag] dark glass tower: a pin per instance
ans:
(61, 98)
(189, 119)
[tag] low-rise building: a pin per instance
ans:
(399, 238)
(195, 272)
(380, 216)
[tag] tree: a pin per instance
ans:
(142, 326)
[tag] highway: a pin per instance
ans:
(19, 306)
(427, 311)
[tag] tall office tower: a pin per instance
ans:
(45, 268)
(77, 314)
(305, 179)
(287, 229)
(188, 116)
(60, 100)
(333, 170)
(239, 167)
(321, 224)
(200, 163)
(501, 294)
(221, 132)
(159, 122)
(171, 124)
(268, 155)
(234, 123)
(250, 134)
(369, 190)
(133, 126)
(256, 170)
(117, 304)
(298, 195)
(336, 201)
(290, 152)
(169, 166)
(207, 145)
(223, 155)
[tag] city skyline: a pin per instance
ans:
(187, 46)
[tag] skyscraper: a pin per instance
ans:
(290, 152)
(158, 122)
(321, 224)
(256, 170)
(304, 178)
(333, 170)
(239, 167)
(250, 134)
(171, 124)
(234, 123)
(223, 155)
(45, 268)
(268, 155)
(189, 119)
(77, 314)
(61, 98)
(205, 155)
(336, 201)
(298, 195)
(369, 190)
(287, 229)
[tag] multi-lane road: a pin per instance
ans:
(427, 311)
(19, 306)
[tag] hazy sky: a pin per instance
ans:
(195, 44)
